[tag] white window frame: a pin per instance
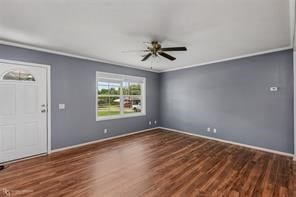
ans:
(121, 78)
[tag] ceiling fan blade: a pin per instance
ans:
(174, 49)
(134, 51)
(146, 56)
(163, 54)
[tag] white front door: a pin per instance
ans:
(23, 111)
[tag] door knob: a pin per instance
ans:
(43, 110)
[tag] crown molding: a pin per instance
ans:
(137, 67)
(31, 47)
(229, 59)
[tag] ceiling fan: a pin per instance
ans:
(155, 49)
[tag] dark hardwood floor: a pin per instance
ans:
(155, 163)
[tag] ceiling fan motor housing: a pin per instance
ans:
(155, 49)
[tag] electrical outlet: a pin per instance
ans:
(105, 131)
(273, 89)
(155, 121)
(214, 130)
(150, 122)
(208, 129)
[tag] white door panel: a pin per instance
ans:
(7, 99)
(30, 98)
(8, 138)
(30, 134)
(23, 125)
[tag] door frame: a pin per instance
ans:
(48, 92)
(294, 102)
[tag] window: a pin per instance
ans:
(18, 75)
(119, 96)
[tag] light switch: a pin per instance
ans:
(62, 106)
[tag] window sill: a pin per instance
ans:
(120, 117)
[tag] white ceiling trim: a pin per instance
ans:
(25, 46)
(140, 68)
(231, 58)
(292, 39)
(292, 28)
(31, 38)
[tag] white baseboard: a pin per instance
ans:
(231, 142)
(101, 140)
(168, 129)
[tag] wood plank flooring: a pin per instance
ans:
(154, 163)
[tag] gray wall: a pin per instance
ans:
(234, 97)
(73, 82)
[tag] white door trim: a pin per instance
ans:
(294, 75)
(48, 71)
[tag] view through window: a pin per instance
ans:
(119, 96)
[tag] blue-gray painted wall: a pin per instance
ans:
(234, 98)
(73, 82)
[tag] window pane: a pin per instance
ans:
(125, 88)
(18, 76)
(114, 108)
(108, 101)
(132, 104)
(103, 88)
(114, 88)
(108, 88)
(135, 89)
(131, 88)
(103, 106)
(108, 106)
(119, 95)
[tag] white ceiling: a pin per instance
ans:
(212, 30)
